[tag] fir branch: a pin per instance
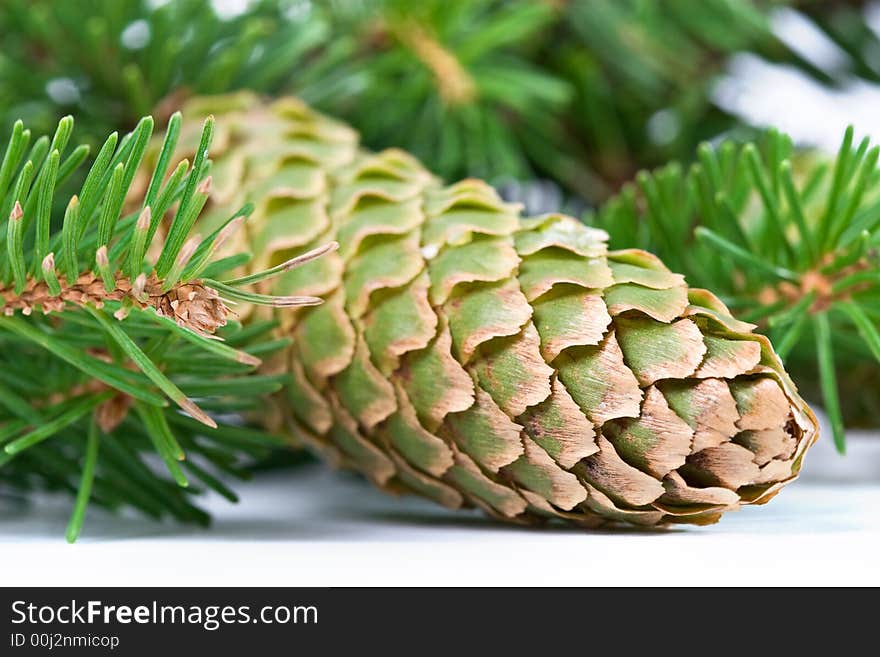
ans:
(583, 92)
(93, 329)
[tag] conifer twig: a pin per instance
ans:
(92, 328)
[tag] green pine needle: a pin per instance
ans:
(77, 516)
(828, 380)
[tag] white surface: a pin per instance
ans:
(319, 528)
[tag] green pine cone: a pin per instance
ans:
(478, 357)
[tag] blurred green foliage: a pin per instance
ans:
(585, 92)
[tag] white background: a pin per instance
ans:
(314, 527)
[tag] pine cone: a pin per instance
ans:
(475, 356)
